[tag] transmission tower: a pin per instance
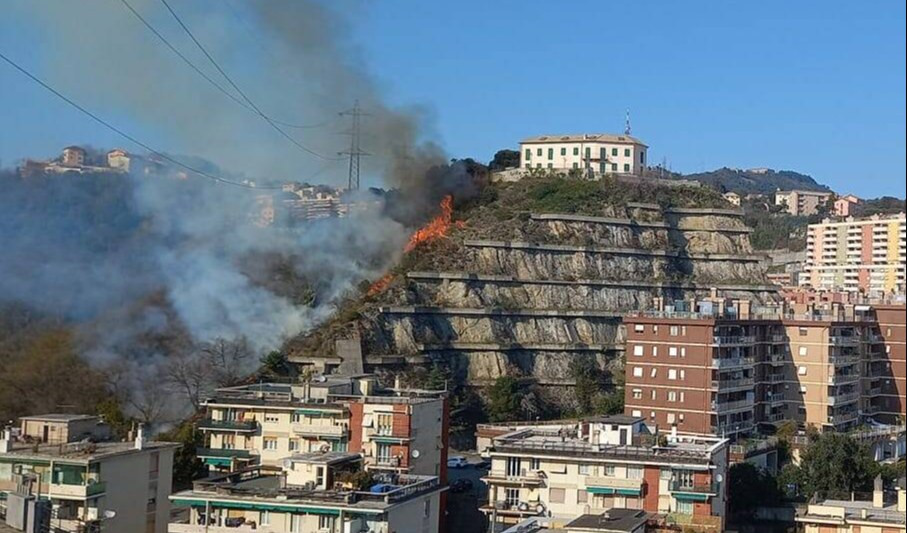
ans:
(355, 152)
(627, 129)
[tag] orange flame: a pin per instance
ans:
(380, 285)
(437, 228)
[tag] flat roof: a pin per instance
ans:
(584, 137)
(59, 417)
(616, 519)
(622, 420)
(81, 451)
(324, 458)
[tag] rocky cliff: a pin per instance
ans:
(513, 288)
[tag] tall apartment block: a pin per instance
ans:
(802, 203)
(728, 367)
(607, 464)
(61, 473)
(866, 255)
(395, 430)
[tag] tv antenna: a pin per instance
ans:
(627, 129)
(355, 152)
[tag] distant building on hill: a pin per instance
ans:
(73, 156)
(845, 204)
(802, 203)
(733, 198)
(118, 159)
(601, 153)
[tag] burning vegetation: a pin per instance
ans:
(437, 228)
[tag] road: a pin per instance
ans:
(463, 515)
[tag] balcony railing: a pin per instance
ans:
(776, 417)
(844, 398)
(223, 453)
(694, 488)
(730, 384)
(843, 418)
(736, 340)
(844, 340)
(842, 379)
(733, 427)
(736, 405)
(524, 477)
(319, 430)
(722, 363)
(774, 398)
(844, 360)
(210, 424)
(77, 491)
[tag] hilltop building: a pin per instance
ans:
(802, 203)
(723, 368)
(572, 468)
(80, 485)
(118, 159)
(845, 205)
(73, 156)
(601, 153)
(733, 198)
(857, 255)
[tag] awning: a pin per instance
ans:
(691, 496)
(608, 491)
(258, 507)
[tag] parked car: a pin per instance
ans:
(484, 464)
(457, 461)
(461, 485)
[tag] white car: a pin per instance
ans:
(457, 461)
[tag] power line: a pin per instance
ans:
(240, 91)
(355, 152)
(127, 136)
(207, 78)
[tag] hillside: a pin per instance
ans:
(529, 278)
(756, 181)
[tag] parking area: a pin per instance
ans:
(463, 514)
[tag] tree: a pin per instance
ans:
(189, 374)
(504, 399)
(588, 378)
(275, 362)
(228, 359)
(750, 487)
(504, 159)
(836, 465)
(186, 465)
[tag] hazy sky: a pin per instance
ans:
(812, 86)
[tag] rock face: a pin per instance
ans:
(557, 290)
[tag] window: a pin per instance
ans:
(582, 496)
(584, 470)
(563, 151)
(575, 165)
(672, 396)
(634, 472)
(639, 328)
(264, 518)
(671, 418)
(535, 464)
(551, 153)
(672, 373)
(575, 150)
(684, 507)
(327, 521)
(588, 152)
(803, 351)
(672, 351)
(637, 350)
(683, 374)
(270, 443)
(297, 418)
(674, 331)
(682, 399)
(683, 351)
(803, 389)
(538, 152)
(383, 453)
(538, 165)
(642, 158)
(626, 167)
(528, 154)
(626, 152)
(614, 151)
(637, 394)
(512, 497)
(653, 373)
(665, 474)
(294, 445)
(801, 371)
(514, 466)
(654, 351)
(681, 414)
(637, 372)
(602, 154)
(802, 331)
(637, 413)
(528, 165)
(295, 523)
(609, 470)
(556, 495)
(613, 167)
(426, 508)
(385, 423)
(550, 165)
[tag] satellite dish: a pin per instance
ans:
(719, 478)
(319, 378)
(108, 514)
(416, 454)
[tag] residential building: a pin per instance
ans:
(844, 205)
(60, 428)
(614, 520)
(593, 466)
(122, 486)
(73, 156)
(865, 255)
(118, 159)
(324, 492)
(802, 203)
(601, 153)
(396, 430)
(727, 367)
(733, 198)
(882, 514)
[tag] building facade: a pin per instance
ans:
(397, 430)
(844, 206)
(589, 467)
(601, 153)
(116, 486)
(884, 513)
(727, 368)
(802, 203)
(865, 255)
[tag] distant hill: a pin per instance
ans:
(756, 181)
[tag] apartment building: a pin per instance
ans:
(396, 430)
(845, 205)
(885, 371)
(613, 462)
(602, 153)
(324, 492)
(726, 367)
(883, 513)
(114, 486)
(866, 255)
(802, 203)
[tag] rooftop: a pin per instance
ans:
(839, 510)
(616, 520)
(81, 451)
(588, 137)
(621, 420)
(294, 395)
(326, 458)
(59, 417)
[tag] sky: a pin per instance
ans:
(812, 86)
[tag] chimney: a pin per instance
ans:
(878, 492)
(140, 437)
(6, 440)
(744, 308)
(397, 384)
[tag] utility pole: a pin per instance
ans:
(355, 152)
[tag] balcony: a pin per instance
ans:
(726, 363)
(844, 360)
(614, 485)
(736, 405)
(844, 340)
(736, 340)
(693, 491)
(844, 418)
(776, 358)
(733, 384)
(89, 490)
(193, 528)
(845, 398)
(526, 478)
(776, 377)
(774, 399)
(233, 426)
(319, 430)
(843, 379)
(776, 417)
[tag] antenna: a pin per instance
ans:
(355, 152)
(627, 129)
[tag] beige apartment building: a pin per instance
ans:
(573, 468)
(886, 512)
(396, 430)
(725, 368)
(602, 153)
(115, 486)
(866, 255)
(802, 203)
(316, 492)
